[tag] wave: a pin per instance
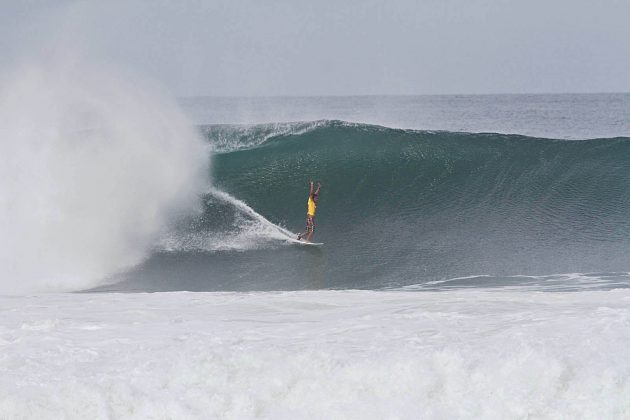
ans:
(406, 207)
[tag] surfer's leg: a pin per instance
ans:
(310, 227)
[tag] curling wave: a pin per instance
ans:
(403, 207)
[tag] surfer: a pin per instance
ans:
(310, 214)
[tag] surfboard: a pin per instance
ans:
(309, 243)
(298, 242)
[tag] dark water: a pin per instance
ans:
(402, 207)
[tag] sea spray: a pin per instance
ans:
(93, 165)
(247, 229)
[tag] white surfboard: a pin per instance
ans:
(298, 242)
(309, 243)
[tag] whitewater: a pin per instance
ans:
(321, 354)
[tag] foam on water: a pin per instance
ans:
(464, 354)
(549, 283)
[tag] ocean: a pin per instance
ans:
(475, 265)
(468, 198)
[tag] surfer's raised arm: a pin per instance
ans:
(317, 190)
(310, 194)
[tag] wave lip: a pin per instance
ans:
(226, 138)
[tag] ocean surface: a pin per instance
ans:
(460, 354)
(476, 256)
(428, 192)
(561, 116)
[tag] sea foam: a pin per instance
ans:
(320, 354)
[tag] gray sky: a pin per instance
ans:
(299, 47)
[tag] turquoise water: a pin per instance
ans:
(403, 208)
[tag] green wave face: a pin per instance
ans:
(401, 207)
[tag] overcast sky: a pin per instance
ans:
(351, 47)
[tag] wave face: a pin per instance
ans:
(404, 207)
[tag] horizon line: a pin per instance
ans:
(379, 95)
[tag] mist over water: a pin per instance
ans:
(93, 166)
